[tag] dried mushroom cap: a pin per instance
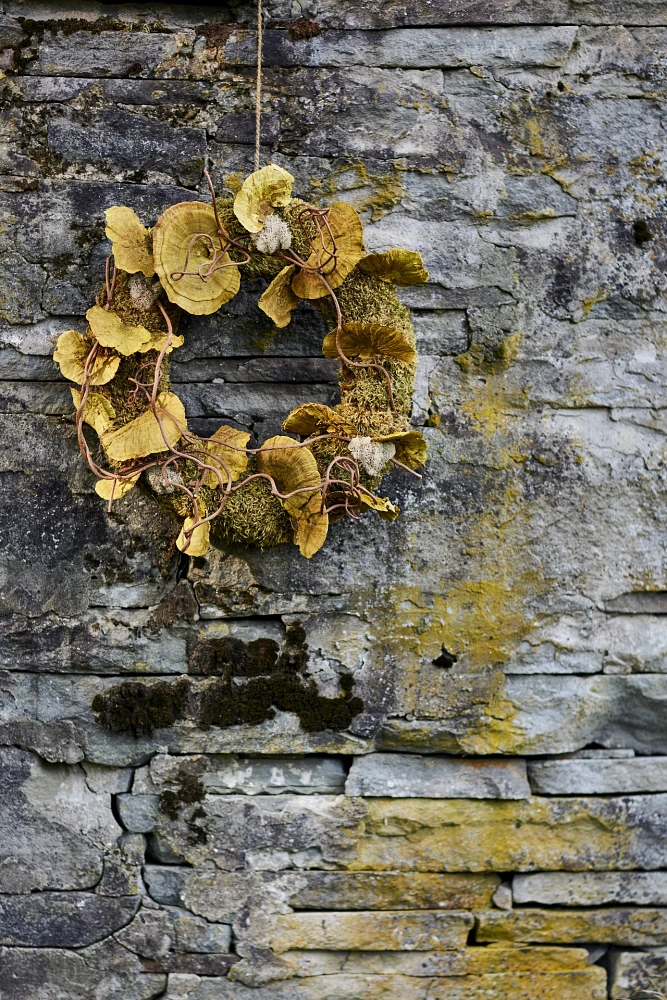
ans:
(411, 448)
(71, 353)
(158, 341)
(367, 340)
(260, 193)
(383, 505)
(131, 242)
(98, 411)
(114, 489)
(109, 330)
(279, 300)
(185, 241)
(316, 418)
(293, 468)
(197, 545)
(230, 463)
(335, 251)
(143, 436)
(399, 266)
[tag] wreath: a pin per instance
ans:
(193, 259)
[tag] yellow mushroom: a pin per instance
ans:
(71, 353)
(260, 193)
(223, 457)
(143, 436)
(294, 468)
(334, 252)
(131, 242)
(193, 268)
(279, 300)
(400, 267)
(368, 340)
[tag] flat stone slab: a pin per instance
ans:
(411, 776)
(591, 888)
(619, 926)
(598, 776)
(629, 970)
(580, 984)
(410, 930)
(467, 962)
(54, 829)
(62, 919)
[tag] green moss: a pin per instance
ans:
(366, 299)
(252, 515)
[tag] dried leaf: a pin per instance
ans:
(348, 243)
(98, 411)
(279, 300)
(295, 468)
(142, 436)
(109, 330)
(185, 238)
(119, 487)
(400, 267)
(72, 349)
(217, 446)
(131, 242)
(411, 448)
(198, 544)
(383, 505)
(316, 418)
(261, 192)
(368, 340)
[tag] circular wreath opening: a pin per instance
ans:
(290, 488)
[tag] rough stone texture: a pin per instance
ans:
(516, 612)
(591, 888)
(601, 777)
(400, 776)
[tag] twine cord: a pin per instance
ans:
(258, 82)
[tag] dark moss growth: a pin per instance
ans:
(137, 708)
(189, 791)
(286, 688)
(252, 681)
(228, 704)
(179, 605)
(229, 657)
(197, 835)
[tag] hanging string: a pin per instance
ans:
(258, 83)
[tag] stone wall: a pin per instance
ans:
(494, 823)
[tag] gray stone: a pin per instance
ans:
(131, 142)
(138, 813)
(260, 400)
(222, 775)
(55, 974)
(55, 829)
(21, 285)
(502, 48)
(640, 968)
(115, 53)
(403, 776)
(598, 777)
(591, 888)
(107, 779)
(62, 919)
(418, 930)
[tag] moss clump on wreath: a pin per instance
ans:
(193, 259)
(238, 683)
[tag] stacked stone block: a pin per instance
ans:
(494, 824)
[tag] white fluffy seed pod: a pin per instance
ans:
(372, 455)
(143, 291)
(274, 236)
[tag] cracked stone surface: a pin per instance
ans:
(492, 824)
